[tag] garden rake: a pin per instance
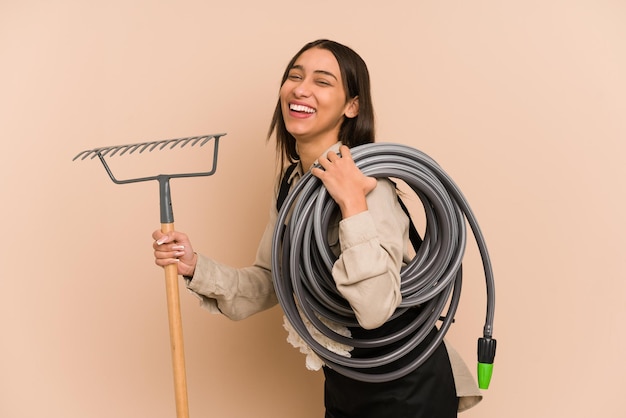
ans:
(167, 225)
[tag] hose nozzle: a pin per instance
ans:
(486, 354)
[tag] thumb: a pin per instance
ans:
(370, 184)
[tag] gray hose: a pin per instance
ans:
(302, 262)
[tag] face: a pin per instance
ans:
(313, 99)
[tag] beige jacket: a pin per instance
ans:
(372, 247)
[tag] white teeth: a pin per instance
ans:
(301, 108)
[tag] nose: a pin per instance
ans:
(303, 89)
(301, 92)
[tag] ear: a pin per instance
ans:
(352, 108)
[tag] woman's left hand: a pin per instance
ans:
(346, 184)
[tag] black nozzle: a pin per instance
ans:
(486, 355)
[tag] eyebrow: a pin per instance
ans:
(328, 73)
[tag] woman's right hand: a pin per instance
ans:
(174, 248)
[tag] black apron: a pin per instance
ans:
(427, 392)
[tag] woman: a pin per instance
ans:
(324, 109)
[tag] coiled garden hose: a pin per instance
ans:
(302, 263)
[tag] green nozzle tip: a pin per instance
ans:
(484, 375)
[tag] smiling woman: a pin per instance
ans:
(325, 109)
(351, 74)
(314, 101)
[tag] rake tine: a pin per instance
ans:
(133, 148)
(191, 139)
(104, 151)
(126, 148)
(178, 141)
(206, 139)
(156, 144)
(196, 139)
(174, 142)
(185, 141)
(167, 142)
(83, 153)
(146, 145)
(116, 149)
(91, 152)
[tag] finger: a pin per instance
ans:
(163, 239)
(162, 244)
(162, 262)
(332, 156)
(169, 250)
(318, 172)
(168, 257)
(345, 152)
(170, 237)
(324, 162)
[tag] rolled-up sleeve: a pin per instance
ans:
(237, 292)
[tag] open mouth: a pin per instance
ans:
(300, 108)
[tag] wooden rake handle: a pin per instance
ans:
(176, 334)
(167, 225)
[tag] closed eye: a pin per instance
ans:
(323, 82)
(294, 76)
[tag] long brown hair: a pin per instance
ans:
(356, 82)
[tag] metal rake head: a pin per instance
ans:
(163, 179)
(111, 151)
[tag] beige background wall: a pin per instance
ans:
(522, 102)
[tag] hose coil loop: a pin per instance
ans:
(302, 263)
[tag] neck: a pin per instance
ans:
(310, 151)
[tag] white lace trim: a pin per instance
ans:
(313, 361)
